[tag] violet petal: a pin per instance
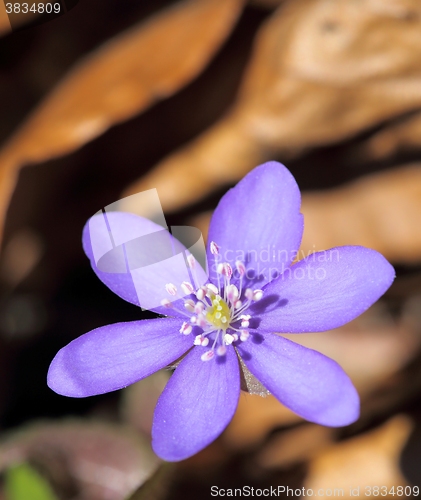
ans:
(144, 286)
(114, 356)
(197, 404)
(259, 216)
(324, 291)
(309, 383)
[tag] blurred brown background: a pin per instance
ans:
(187, 96)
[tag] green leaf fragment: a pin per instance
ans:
(23, 483)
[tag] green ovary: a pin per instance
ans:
(218, 314)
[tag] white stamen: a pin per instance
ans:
(186, 328)
(244, 335)
(199, 307)
(241, 268)
(187, 288)
(212, 288)
(214, 248)
(229, 339)
(221, 351)
(171, 289)
(215, 308)
(232, 293)
(207, 356)
(201, 293)
(201, 340)
(201, 321)
(245, 320)
(189, 305)
(225, 269)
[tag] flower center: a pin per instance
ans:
(218, 314)
(216, 310)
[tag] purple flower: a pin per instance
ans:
(253, 291)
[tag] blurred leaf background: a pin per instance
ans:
(187, 96)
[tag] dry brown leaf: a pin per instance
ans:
(8, 178)
(370, 349)
(295, 445)
(269, 4)
(102, 460)
(16, 20)
(125, 76)
(21, 254)
(381, 211)
(371, 459)
(397, 138)
(321, 72)
(139, 401)
(129, 73)
(4, 20)
(254, 419)
(158, 485)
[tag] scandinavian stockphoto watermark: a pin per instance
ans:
(275, 263)
(142, 247)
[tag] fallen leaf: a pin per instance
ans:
(254, 419)
(120, 79)
(4, 20)
(129, 73)
(16, 20)
(158, 485)
(21, 254)
(268, 4)
(321, 72)
(95, 459)
(380, 211)
(397, 138)
(295, 445)
(8, 178)
(370, 459)
(370, 349)
(23, 482)
(410, 460)
(139, 401)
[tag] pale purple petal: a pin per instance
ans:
(113, 259)
(259, 221)
(114, 356)
(197, 404)
(309, 383)
(323, 291)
